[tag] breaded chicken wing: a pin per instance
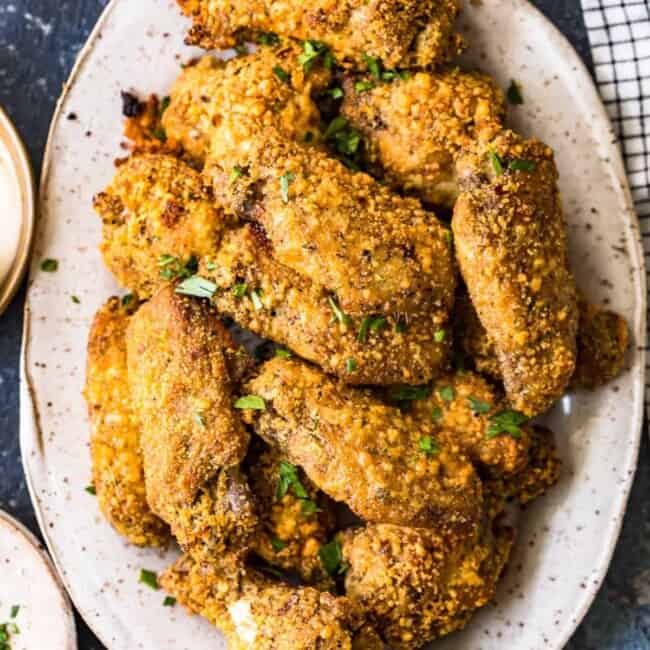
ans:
(402, 34)
(267, 88)
(377, 252)
(118, 475)
(293, 528)
(416, 585)
(257, 613)
(192, 439)
(414, 128)
(511, 245)
(361, 452)
(158, 216)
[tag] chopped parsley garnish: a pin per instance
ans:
(334, 93)
(164, 105)
(256, 299)
(283, 354)
(336, 125)
(160, 134)
(237, 172)
(198, 287)
(309, 507)
(285, 179)
(428, 446)
(91, 490)
(282, 74)
(401, 326)
(439, 336)
(268, 38)
(351, 365)
(169, 601)
(477, 406)
(49, 265)
(506, 422)
(252, 402)
(374, 65)
(410, 393)
(339, 315)
(289, 479)
(370, 324)
(378, 323)
(127, 300)
(75, 300)
(149, 578)
(346, 139)
(199, 419)
(514, 93)
(436, 413)
(363, 86)
(14, 611)
(391, 75)
(171, 268)
(239, 290)
(447, 393)
(332, 558)
(497, 165)
(312, 50)
(277, 544)
(519, 165)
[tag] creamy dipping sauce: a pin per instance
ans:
(10, 213)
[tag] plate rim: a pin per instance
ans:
(616, 163)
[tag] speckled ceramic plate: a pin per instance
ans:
(566, 540)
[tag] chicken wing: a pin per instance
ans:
(511, 245)
(402, 34)
(118, 475)
(376, 251)
(415, 127)
(361, 452)
(192, 439)
(257, 613)
(268, 87)
(417, 585)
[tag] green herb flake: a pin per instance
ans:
(149, 578)
(410, 393)
(514, 93)
(335, 93)
(251, 402)
(362, 336)
(75, 300)
(339, 315)
(49, 265)
(160, 134)
(164, 105)
(520, 165)
(268, 38)
(285, 180)
(312, 50)
(337, 124)
(127, 299)
(282, 74)
(401, 326)
(169, 601)
(436, 413)
(199, 419)
(256, 299)
(277, 544)
(506, 422)
(239, 290)
(428, 446)
(14, 611)
(289, 479)
(439, 336)
(91, 489)
(236, 173)
(477, 406)
(374, 65)
(377, 324)
(198, 287)
(171, 268)
(281, 353)
(497, 165)
(447, 393)
(309, 507)
(331, 557)
(351, 365)
(363, 86)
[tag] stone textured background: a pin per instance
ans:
(39, 40)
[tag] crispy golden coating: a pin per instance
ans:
(300, 315)
(361, 452)
(377, 252)
(156, 206)
(417, 584)
(292, 530)
(115, 431)
(192, 439)
(402, 34)
(461, 407)
(257, 613)
(247, 92)
(603, 339)
(415, 128)
(540, 474)
(511, 245)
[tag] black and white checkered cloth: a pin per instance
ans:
(619, 32)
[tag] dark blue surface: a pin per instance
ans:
(39, 40)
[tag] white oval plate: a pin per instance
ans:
(566, 540)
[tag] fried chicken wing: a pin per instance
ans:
(192, 440)
(417, 585)
(257, 613)
(511, 245)
(376, 251)
(118, 475)
(361, 452)
(293, 528)
(402, 34)
(267, 88)
(158, 216)
(414, 128)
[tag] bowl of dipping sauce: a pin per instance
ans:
(17, 211)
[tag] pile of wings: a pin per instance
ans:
(346, 193)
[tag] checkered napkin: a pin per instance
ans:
(619, 32)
